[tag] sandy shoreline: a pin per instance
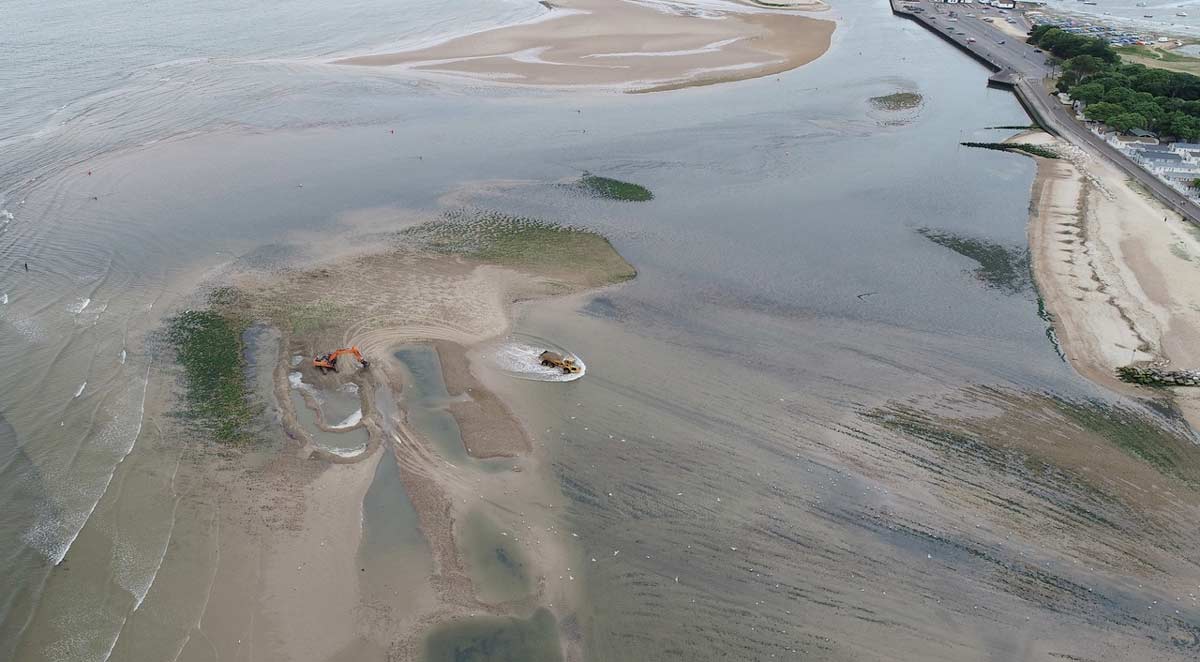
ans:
(1119, 272)
(639, 46)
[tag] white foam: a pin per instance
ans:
(4, 298)
(79, 305)
(57, 526)
(297, 360)
(296, 380)
(350, 421)
(79, 391)
(345, 452)
(123, 355)
(522, 360)
(28, 329)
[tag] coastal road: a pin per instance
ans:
(1031, 75)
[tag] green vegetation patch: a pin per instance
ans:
(522, 242)
(1005, 268)
(1035, 150)
(1139, 436)
(613, 189)
(209, 349)
(897, 101)
(493, 639)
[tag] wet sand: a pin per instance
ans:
(1119, 272)
(635, 46)
(287, 531)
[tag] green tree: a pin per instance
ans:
(1081, 67)
(1088, 92)
(1126, 122)
(1102, 112)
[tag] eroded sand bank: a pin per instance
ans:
(640, 46)
(1119, 272)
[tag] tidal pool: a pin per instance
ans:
(426, 401)
(497, 564)
(496, 640)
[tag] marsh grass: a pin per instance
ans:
(209, 349)
(897, 101)
(613, 189)
(523, 242)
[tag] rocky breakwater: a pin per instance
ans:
(1154, 376)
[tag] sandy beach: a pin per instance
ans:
(1119, 272)
(637, 46)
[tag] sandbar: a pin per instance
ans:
(636, 46)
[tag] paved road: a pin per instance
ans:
(1030, 74)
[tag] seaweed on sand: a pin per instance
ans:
(613, 189)
(1005, 268)
(897, 101)
(209, 349)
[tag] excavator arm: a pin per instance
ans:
(329, 361)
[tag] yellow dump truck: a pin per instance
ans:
(556, 360)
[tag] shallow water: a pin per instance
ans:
(716, 441)
(497, 565)
(426, 402)
(496, 640)
(347, 443)
(394, 555)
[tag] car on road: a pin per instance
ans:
(1037, 50)
(1001, 42)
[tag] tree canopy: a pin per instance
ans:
(1123, 96)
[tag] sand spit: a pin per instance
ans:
(285, 577)
(638, 46)
(1119, 272)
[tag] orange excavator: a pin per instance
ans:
(328, 361)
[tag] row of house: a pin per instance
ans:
(1177, 164)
